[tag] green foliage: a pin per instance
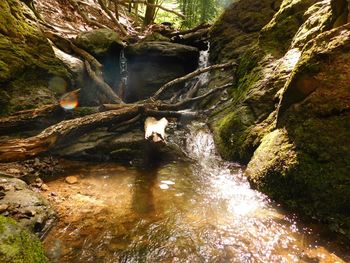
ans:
(196, 12)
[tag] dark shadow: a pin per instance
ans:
(142, 199)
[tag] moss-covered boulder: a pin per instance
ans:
(29, 208)
(17, 245)
(28, 66)
(238, 28)
(305, 162)
(288, 116)
(277, 35)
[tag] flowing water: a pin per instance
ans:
(198, 210)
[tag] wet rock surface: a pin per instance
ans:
(288, 113)
(152, 64)
(24, 205)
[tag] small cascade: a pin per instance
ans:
(123, 65)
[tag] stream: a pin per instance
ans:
(199, 209)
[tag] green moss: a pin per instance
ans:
(17, 245)
(27, 61)
(276, 37)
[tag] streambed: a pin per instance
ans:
(196, 210)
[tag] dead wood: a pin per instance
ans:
(113, 18)
(191, 75)
(84, 16)
(184, 32)
(31, 119)
(62, 134)
(102, 85)
(92, 65)
(188, 101)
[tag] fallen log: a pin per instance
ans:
(31, 119)
(184, 32)
(113, 18)
(62, 134)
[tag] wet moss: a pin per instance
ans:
(17, 245)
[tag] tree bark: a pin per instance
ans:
(62, 134)
(149, 15)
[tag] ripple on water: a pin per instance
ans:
(202, 211)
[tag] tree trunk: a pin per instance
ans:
(150, 10)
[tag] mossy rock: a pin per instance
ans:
(100, 42)
(304, 163)
(27, 60)
(237, 29)
(17, 245)
(276, 37)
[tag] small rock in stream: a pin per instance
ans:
(44, 187)
(71, 180)
(3, 208)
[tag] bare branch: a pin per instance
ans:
(190, 76)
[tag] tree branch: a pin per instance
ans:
(191, 75)
(156, 5)
(112, 17)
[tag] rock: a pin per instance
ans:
(27, 61)
(152, 64)
(71, 179)
(28, 207)
(17, 244)
(3, 208)
(277, 35)
(105, 45)
(238, 28)
(44, 187)
(288, 117)
(100, 42)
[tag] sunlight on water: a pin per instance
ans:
(200, 211)
(69, 101)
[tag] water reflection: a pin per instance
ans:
(207, 213)
(143, 200)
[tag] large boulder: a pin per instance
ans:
(19, 245)
(152, 64)
(288, 115)
(29, 208)
(30, 74)
(310, 148)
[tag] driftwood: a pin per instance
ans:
(155, 129)
(191, 75)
